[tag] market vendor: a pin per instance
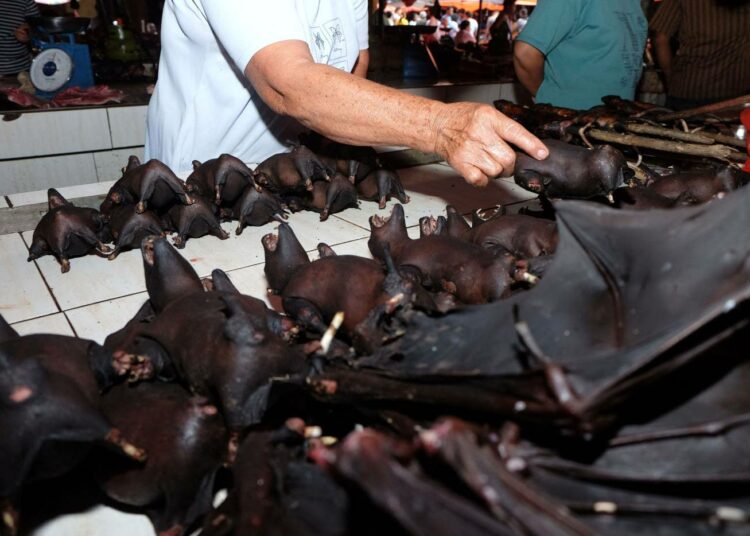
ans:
(573, 53)
(15, 35)
(712, 61)
(239, 79)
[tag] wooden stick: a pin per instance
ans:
(721, 152)
(709, 108)
(662, 132)
(723, 138)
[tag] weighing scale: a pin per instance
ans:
(61, 62)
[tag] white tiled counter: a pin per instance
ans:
(44, 149)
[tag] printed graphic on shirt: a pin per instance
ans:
(329, 44)
(632, 53)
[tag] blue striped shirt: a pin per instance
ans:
(14, 55)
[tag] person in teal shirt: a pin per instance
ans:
(574, 52)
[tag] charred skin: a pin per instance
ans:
(150, 185)
(187, 444)
(518, 234)
(222, 179)
(129, 228)
(194, 221)
(223, 350)
(169, 276)
(345, 283)
(571, 172)
(284, 254)
(472, 274)
(281, 325)
(380, 186)
(641, 198)
(256, 207)
(50, 386)
(697, 186)
(373, 462)
(456, 225)
(331, 197)
(292, 172)
(67, 231)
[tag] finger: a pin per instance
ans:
(503, 156)
(514, 133)
(473, 175)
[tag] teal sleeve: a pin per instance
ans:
(551, 22)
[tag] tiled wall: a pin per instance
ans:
(61, 148)
(67, 147)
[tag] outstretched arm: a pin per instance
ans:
(472, 137)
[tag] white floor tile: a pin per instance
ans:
(97, 321)
(68, 192)
(356, 247)
(420, 205)
(97, 521)
(208, 253)
(56, 324)
(252, 281)
(92, 279)
(23, 294)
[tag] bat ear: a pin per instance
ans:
(55, 199)
(133, 162)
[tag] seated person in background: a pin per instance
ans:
(15, 35)
(465, 36)
(446, 29)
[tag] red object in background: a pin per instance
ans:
(745, 119)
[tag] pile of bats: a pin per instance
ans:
(149, 199)
(648, 132)
(573, 370)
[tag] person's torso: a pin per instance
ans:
(14, 55)
(601, 55)
(713, 58)
(204, 106)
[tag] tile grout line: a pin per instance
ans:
(70, 323)
(44, 279)
(40, 317)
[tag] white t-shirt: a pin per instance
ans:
(204, 106)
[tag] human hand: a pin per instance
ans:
(474, 138)
(23, 33)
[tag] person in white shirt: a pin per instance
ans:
(238, 79)
(473, 24)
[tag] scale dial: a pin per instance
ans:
(51, 69)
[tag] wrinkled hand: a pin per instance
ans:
(474, 139)
(23, 33)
